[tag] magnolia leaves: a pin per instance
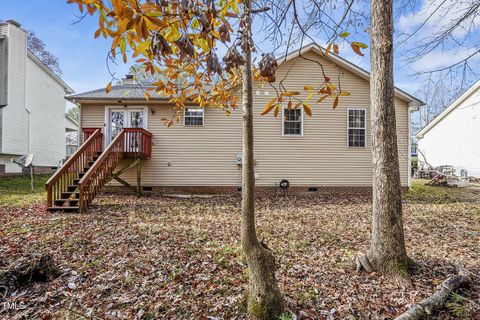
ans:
(356, 46)
(233, 59)
(329, 90)
(185, 45)
(213, 66)
(268, 66)
(160, 46)
(179, 39)
(224, 33)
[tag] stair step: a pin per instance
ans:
(72, 187)
(71, 202)
(57, 208)
(76, 181)
(81, 174)
(68, 194)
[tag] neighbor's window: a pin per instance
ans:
(193, 116)
(292, 122)
(356, 128)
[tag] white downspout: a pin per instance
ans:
(412, 107)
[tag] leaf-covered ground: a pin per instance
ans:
(164, 258)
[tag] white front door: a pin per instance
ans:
(124, 118)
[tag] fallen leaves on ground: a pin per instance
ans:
(157, 257)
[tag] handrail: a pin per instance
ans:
(138, 143)
(87, 132)
(65, 175)
(96, 177)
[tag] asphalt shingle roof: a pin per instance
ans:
(123, 92)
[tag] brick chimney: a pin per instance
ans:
(128, 80)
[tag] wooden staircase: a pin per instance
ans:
(74, 186)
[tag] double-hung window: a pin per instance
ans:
(356, 127)
(193, 116)
(292, 122)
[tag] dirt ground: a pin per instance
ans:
(164, 258)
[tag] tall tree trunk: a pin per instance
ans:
(264, 298)
(387, 253)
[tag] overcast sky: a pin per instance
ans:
(82, 58)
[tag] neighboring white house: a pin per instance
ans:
(71, 135)
(453, 138)
(32, 104)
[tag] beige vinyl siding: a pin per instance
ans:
(92, 116)
(205, 155)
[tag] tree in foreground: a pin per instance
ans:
(264, 300)
(387, 253)
(176, 42)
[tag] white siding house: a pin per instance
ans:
(453, 138)
(32, 104)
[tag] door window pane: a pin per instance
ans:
(136, 119)
(117, 123)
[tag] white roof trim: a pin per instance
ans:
(73, 121)
(347, 65)
(450, 108)
(52, 74)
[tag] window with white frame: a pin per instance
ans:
(193, 116)
(356, 127)
(292, 122)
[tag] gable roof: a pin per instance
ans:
(344, 63)
(52, 74)
(133, 91)
(136, 91)
(450, 108)
(72, 121)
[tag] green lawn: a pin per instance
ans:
(170, 258)
(421, 192)
(16, 191)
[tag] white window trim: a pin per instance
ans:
(203, 117)
(106, 125)
(348, 127)
(283, 123)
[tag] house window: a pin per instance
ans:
(292, 122)
(193, 116)
(356, 127)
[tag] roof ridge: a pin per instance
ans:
(461, 98)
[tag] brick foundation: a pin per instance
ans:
(25, 172)
(44, 170)
(270, 191)
(348, 192)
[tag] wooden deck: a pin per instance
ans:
(74, 186)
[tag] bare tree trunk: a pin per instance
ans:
(387, 253)
(264, 298)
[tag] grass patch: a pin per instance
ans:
(17, 192)
(421, 192)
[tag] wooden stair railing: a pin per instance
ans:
(87, 132)
(62, 185)
(138, 143)
(101, 170)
